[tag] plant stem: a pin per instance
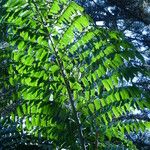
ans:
(77, 120)
(75, 113)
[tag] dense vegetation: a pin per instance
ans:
(66, 82)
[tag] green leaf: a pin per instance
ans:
(106, 84)
(147, 125)
(91, 107)
(11, 80)
(40, 39)
(127, 127)
(105, 120)
(76, 86)
(109, 115)
(113, 35)
(21, 45)
(115, 111)
(13, 116)
(103, 102)
(55, 8)
(127, 106)
(109, 134)
(109, 81)
(97, 104)
(117, 95)
(85, 81)
(54, 68)
(124, 94)
(19, 112)
(109, 49)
